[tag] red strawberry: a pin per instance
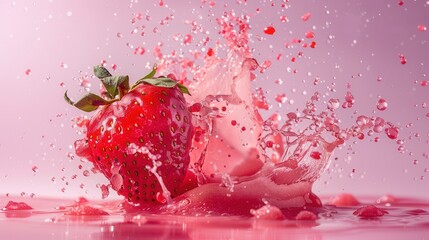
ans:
(140, 139)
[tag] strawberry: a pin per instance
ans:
(140, 137)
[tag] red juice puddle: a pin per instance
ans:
(364, 220)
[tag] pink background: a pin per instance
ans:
(357, 42)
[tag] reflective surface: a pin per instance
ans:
(406, 218)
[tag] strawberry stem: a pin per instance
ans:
(117, 86)
(114, 85)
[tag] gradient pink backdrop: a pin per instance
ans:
(357, 42)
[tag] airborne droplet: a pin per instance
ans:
(270, 30)
(187, 39)
(402, 59)
(104, 191)
(333, 103)
(392, 132)
(309, 34)
(306, 16)
(381, 104)
(421, 28)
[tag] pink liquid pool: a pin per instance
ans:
(49, 220)
(290, 102)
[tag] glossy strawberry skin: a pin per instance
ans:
(148, 118)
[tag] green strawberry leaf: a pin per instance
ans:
(123, 85)
(88, 103)
(110, 84)
(101, 72)
(116, 85)
(119, 85)
(148, 76)
(163, 82)
(183, 89)
(160, 82)
(68, 100)
(152, 73)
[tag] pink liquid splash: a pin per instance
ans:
(242, 161)
(253, 172)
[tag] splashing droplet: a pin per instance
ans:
(316, 155)
(381, 104)
(139, 51)
(187, 39)
(270, 30)
(160, 197)
(402, 59)
(104, 191)
(306, 16)
(210, 52)
(309, 34)
(86, 173)
(392, 132)
(333, 103)
(421, 28)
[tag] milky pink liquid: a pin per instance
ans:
(256, 175)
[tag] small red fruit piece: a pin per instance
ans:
(270, 30)
(370, 211)
(11, 205)
(141, 136)
(210, 52)
(316, 155)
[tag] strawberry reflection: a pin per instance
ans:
(173, 227)
(150, 230)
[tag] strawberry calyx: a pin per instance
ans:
(117, 86)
